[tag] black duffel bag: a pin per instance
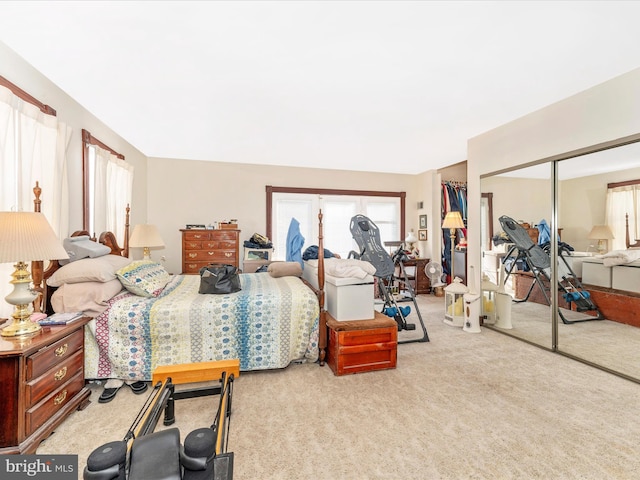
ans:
(219, 279)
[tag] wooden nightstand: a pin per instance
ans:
(362, 345)
(42, 383)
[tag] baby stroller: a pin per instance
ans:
(367, 236)
(538, 261)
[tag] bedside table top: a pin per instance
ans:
(25, 344)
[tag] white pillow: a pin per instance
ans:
(101, 269)
(88, 297)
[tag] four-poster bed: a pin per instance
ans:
(270, 323)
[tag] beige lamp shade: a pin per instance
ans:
(27, 236)
(453, 220)
(601, 232)
(411, 238)
(146, 236)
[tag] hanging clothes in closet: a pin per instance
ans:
(453, 198)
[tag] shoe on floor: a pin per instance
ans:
(108, 394)
(138, 387)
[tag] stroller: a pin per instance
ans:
(538, 261)
(367, 236)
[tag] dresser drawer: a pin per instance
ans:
(52, 403)
(38, 388)
(219, 244)
(199, 235)
(48, 357)
(194, 245)
(194, 267)
(221, 235)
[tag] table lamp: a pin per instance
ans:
(146, 237)
(410, 241)
(452, 221)
(602, 233)
(25, 236)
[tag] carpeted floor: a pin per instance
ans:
(463, 406)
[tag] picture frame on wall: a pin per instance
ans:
(423, 222)
(422, 235)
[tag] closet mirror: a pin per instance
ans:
(598, 319)
(595, 192)
(522, 195)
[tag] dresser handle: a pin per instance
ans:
(193, 255)
(211, 253)
(228, 254)
(60, 374)
(60, 398)
(60, 351)
(197, 236)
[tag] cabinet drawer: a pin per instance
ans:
(194, 267)
(57, 352)
(52, 403)
(38, 388)
(198, 235)
(219, 244)
(193, 245)
(362, 351)
(221, 235)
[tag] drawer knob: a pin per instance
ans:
(193, 255)
(197, 236)
(60, 351)
(60, 374)
(228, 254)
(60, 398)
(211, 253)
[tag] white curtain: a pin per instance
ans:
(33, 147)
(620, 202)
(112, 191)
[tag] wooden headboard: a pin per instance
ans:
(39, 274)
(628, 235)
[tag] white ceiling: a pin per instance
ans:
(364, 85)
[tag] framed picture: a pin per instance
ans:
(422, 235)
(423, 221)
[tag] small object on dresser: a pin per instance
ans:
(61, 318)
(193, 226)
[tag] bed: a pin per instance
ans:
(272, 322)
(618, 269)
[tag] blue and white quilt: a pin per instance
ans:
(269, 324)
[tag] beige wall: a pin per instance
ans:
(19, 72)
(181, 192)
(601, 114)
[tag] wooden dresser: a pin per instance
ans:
(204, 247)
(420, 281)
(42, 383)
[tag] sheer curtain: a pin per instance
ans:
(621, 201)
(33, 147)
(112, 181)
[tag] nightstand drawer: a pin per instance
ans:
(53, 354)
(37, 389)
(52, 403)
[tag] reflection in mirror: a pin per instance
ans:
(598, 190)
(524, 196)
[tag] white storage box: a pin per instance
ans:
(595, 273)
(345, 298)
(626, 277)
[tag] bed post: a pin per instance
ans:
(37, 267)
(322, 335)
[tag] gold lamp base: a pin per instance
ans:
(22, 297)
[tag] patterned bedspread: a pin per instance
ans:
(270, 323)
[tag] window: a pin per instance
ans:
(33, 146)
(108, 186)
(385, 209)
(623, 199)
